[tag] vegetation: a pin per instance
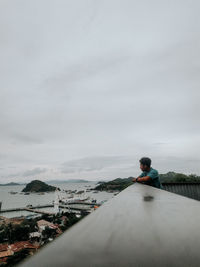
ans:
(120, 184)
(16, 232)
(10, 233)
(38, 186)
(173, 177)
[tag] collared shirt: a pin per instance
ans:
(154, 175)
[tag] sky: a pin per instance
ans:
(89, 87)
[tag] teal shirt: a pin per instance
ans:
(154, 175)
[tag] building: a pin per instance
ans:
(42, 224)
(35, 236)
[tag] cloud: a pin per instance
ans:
(77, 73)
(97, 163)
(34, 172)
(2, 156)
(25, 139)
(108, 80)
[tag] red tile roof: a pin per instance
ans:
(6, 253)
(22, 245)
(3, 247)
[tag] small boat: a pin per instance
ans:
(88, 190)
(13, 192)
(80, 192)
(71, 196)
(74, 199)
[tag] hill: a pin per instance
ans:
(9, 184)
(67, 181)
(170, 177)
(118, 184)
(38, 186)
(173, 177)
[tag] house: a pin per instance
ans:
(35, 236)
(5, 252)
(42, 224)
(64, 220)
(4, 256)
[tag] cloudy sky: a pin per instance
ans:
(89, 87)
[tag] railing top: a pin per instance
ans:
(141, 226)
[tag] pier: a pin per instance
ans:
(27, 208)
(39, 211)
(73, 207)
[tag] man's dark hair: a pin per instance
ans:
(145, 161)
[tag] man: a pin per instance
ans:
(149, 175)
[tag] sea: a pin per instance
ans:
(21, 200)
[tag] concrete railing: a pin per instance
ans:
(141, 226)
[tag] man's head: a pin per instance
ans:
(145, 164)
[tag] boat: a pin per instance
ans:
(70, 196)
(13, 192)
(74, 199)
(80, 192)
(88, 190)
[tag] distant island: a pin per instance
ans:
(38, 186)
(120, 184)
(9, 184)
(67, 181)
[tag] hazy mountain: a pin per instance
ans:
(67, 181)
(9, 184)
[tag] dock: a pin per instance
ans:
(33, 208)
(39, 211)
(73, 207)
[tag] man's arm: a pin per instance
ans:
(142, 179)
(134, 179)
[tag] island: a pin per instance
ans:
(38, 186)
(9, 184)
(117, 184)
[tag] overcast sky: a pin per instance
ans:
(89, 87)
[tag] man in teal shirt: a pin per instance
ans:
(149, 175)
